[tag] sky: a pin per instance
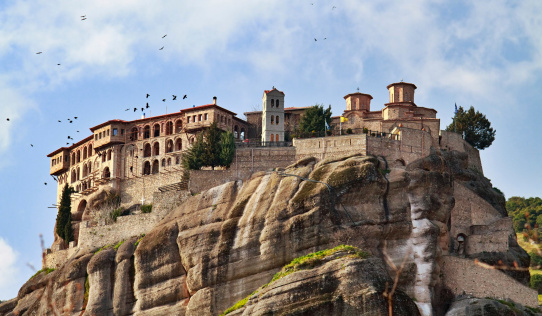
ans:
(101, 57)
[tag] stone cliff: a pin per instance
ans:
(223, 244)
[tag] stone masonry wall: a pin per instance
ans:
(454, 141)
(463, 276)
(329, 147)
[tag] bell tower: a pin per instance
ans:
(273, 116)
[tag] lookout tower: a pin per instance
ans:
(273, 116)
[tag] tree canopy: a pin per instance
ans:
(477, 128)
(64, 218)
(212, 148)
(313, 119)
(525, 212)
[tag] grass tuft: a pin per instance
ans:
(46, 270)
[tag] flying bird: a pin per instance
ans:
(148, 95)
(163, 100)
(135, 109)
(333, 7)
(75, 117)
(45, 183)
(84, 16)
(164, 36)
(7, 119)
(31, 145)
(77, 131)
(185, 97)
(38, 53)
(59, 121)
(147, 105)
(127, 110)
(141, 109)
(174, 97)
(161, 48)
(58, 64)
(315, 39)
(71, 121)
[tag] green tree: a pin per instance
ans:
(63, 218)
(212, 148)
(313, 119)
(477, 128)
(227, 149)
(536, 282)
(193, 157)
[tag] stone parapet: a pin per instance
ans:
(463, 276)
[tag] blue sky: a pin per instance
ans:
(488, 55)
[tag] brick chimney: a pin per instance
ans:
(214, 100)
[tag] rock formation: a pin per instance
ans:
(224, 243)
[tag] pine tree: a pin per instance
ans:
(227, 146)
(475, 125)
(313, 119)
(212, 146)
(63, 218)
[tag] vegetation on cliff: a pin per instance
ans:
(309, 261)
(476, 127)
(63, 218)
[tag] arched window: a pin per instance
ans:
(78, 173)
(178, 126)
(276, 137)
(169, 128)
(89, 167)
(163, 162)
(155, 167)
(133, 134)
(277, 119)
(78, 156)
(85, 170)
(242, 134)
(147, 150)
(156, 130)
(272, 119)
(104, 156)
(272, 103)
(169, 162)
(235, 132)
(74, 176)
(146, 168)
(84, 153)
(177, 160)
(178, 144)
(106, 174)
(147, 132)
(169, 146)
(277, 103)
(90, 150)
(73, 159)
(156, 149)
(272, 137)
(109, 154)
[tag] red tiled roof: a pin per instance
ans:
(92, 129)
(207, 106)
(274, 89)
(358, 93)
(292, 108)
(410, 84)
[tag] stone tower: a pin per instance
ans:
(402, 92)
(273, 116)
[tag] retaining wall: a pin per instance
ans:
(463, 276)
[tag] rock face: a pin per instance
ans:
(222, 244)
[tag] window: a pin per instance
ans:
(163, 162)
(199, 118)
(147, 150)
(133, 133)
(169, 128)
(156, 149)
(100, 135)
(95, 136)
(193, 118)
(147, 132)
(177, 160)
(109, 154)
(277, 119)
(169, 146)
(178, 126)
(114, 132)
(178, 144)
(84, 153)
(188, 119)
(103, 157)
(90, 150)
(155, 167)
(272, 137)
(277, 103)
(107, 132)
(169, 161)
(78, 156)
(106, 174)
(146, 168)
(276, 137)
(272, 102)
(156, 130)
(122, 131)
(205, 116)
(272, 120)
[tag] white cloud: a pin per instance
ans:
(8, 270)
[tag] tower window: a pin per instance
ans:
(277, 103)
(272, 120)
(272, 102)
(277, 119)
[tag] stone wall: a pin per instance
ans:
(54, 260)
(454, 141)
(463, 276)
(329, 147)
(133, 190)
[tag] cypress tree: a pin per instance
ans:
(212, 146)
(193, 158)
(227, 149)
(63, 218)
